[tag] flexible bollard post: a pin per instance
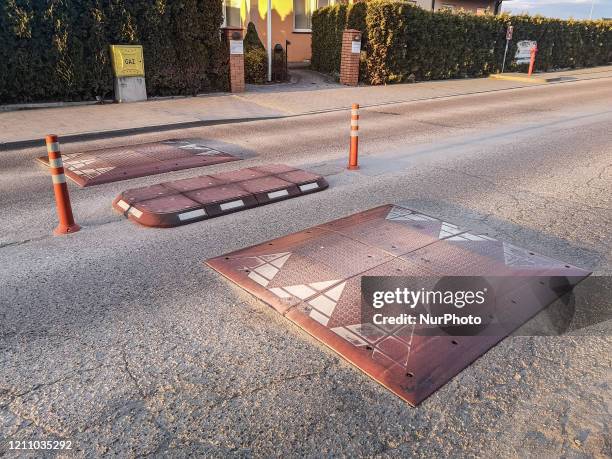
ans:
(62, 200)
(354, 149)
(534, 51)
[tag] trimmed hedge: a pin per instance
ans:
(255, 57)
(327, 26)
(328, 23)
(407, 43)
(251, 38)
(58, 49)
(255, 66)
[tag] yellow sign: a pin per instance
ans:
(127, 60)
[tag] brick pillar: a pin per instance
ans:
(236, 58)
(349, 62)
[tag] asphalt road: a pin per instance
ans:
(120, 340)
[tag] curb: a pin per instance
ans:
(72, 138)
(523, 79)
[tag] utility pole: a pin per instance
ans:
(591, 14)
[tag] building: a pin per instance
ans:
(475, 6)
(290, 19)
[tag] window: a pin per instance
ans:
(231, 13)
(302, 13)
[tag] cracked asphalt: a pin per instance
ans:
(120, 340)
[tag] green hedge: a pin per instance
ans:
(407, 43)
(58, 49)
(327, 26)
(255, 57)
(255, 65)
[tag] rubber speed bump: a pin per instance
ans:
(107, 165)
(185, 201)
(313, 278)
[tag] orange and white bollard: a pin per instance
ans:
(62, 200)
(353, 152)
(534, 51)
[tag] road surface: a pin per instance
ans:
(120, 340)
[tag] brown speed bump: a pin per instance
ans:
(189, 200)
(107, 165)
(313, 278)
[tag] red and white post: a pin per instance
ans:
(354, 149)
(62, 200)
(534, 52)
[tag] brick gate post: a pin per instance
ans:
(234, 36)
(349, 61)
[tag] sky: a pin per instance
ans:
(578, 9)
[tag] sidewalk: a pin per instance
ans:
(308, 93)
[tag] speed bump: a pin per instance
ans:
(189, 200)
(107, 165)
(313, 278)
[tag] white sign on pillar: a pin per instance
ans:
(236, 47)
(355, 47)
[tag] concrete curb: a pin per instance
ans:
(524, 79)
(71, 138)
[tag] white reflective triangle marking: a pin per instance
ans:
(267, 270)
(323, 285)
(259, 279)
(316, 315)
(455, 238)
(300, 291)
(323, 304)
(279, 262)
(336, 292)
(273, 256)
(303, 291)
(279, 292)
(473, 237)
(398, 213)
(447, 230)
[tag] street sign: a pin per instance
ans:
(523, 51)
(509, 33)
(236, 47)
(128, 60)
